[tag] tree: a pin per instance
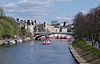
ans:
(79, 24)
(87, 26)
(8, 28)
(1, 30)
(17, 30)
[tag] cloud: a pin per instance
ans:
(84, 11)
(32, 8)
(10, 5)
(29, 8)
(62, 0)
(64, 18)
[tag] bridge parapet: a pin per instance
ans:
(39, 34)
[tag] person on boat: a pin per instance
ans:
(44, 41)
(48, 41)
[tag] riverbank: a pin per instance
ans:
(28, 39)
(84, 53)
(2, 41)
(25, 39)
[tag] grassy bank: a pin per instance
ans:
(89, 53)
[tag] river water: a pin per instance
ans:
(35, 53)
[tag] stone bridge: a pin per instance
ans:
(39, 34)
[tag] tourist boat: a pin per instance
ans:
(46, 43)
(68, 37)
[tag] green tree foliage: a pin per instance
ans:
(1, 30)
(8, 25)
(12, 21)
(8, 28)
(26, 32)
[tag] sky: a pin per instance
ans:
(47, 10)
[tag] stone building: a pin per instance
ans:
(50, 28)
(29, 25)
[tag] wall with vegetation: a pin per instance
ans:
(89, 53)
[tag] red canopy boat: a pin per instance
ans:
(46, 43)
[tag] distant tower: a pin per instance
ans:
(25, 24)
(2, 12)
(32, 23)
(28, 22)
(35, 26)
(65, 23)
(45, 26)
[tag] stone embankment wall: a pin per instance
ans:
(84, 53)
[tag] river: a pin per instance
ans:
(34, 52)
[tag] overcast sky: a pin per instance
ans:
(47, 10)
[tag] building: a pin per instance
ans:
(57, 29)
(41, 28)
(35, 26)
(49, 28)
(64, 27)
(29, 25)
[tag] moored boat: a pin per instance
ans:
(11, 42)
(20, 40)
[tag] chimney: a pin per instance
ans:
(17, 19)
(64, 24)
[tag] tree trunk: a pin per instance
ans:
(92, 42)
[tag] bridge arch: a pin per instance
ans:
(37, 35)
